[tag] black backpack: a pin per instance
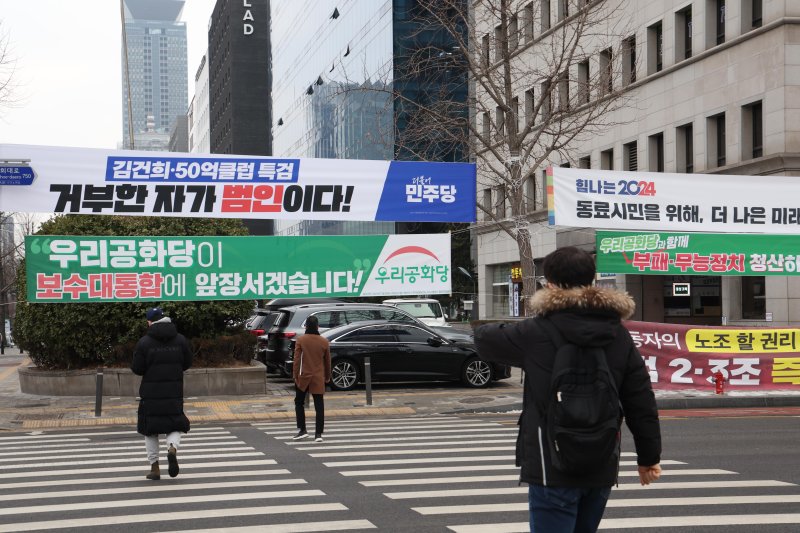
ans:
(583, 414)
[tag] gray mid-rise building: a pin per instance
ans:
(156, 63)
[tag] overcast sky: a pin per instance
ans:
(68, 74)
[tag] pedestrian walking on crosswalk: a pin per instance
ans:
(311, 370)
(161, 357)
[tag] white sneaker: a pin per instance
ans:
(300, 435)
(318, 438)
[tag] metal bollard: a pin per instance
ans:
(98, 400)
(368, 379)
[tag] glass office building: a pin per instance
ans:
(335, 64)
(156, 62)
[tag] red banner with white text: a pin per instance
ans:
(681, 356)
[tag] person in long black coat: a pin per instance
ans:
(161, 357)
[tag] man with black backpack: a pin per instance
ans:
(583, 375)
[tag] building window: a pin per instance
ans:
(545, 15)
(530, 106)
(547, 101)
(655, 149)
(752, 131)
(500, 121)
(563, 9)
(715, 22)
(527, 22)
(563, 91)
(487, 203)
(754, 298)
(630, 157)
(655, 48)
(607, 159)
(683, 34)
(585, 162)
(513, 33)
(500, 202)
(685, 148)
(498, 43)
(629, 59)
(606, 71)
(530, 193)
(487, 128)
(514, 118)
(716, 140)
(485, 50)
(756, 14)
(584, 93)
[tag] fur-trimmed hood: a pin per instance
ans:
(551, 299)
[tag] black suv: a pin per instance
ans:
(276, 347)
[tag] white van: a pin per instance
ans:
(427, 310)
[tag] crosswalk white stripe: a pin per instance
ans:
(396, 444)
(696, 521)
(87, 471)
(454, 492)
(477, 508)
(514, 527)
(410, 460)
(106, 461)
(52, 437)
(118, 504)
(160, 488)
(137, 479)
(415, 451)
(705, 500)
(107, 521)
(672, 485)
(466, 432)
(392, 430)
(306, 527)
(621, 503)
(437, 481)
(117, 445)
(428, 470)
(133, 451)
(411, 440)
(361, 422)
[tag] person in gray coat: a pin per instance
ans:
(588, 317)
(161, 357)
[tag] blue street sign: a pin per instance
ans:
(15, 174)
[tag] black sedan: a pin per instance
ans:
(404, 352)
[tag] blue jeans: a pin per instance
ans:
(566, 510)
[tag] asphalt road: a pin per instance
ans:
(416, 474)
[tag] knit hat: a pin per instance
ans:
(154, 314)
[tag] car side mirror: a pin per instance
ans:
(433, 341)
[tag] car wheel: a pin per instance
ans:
(476, 372)
(344, 375)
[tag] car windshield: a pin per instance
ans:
(422, 309)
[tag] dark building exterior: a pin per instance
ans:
(240, 81)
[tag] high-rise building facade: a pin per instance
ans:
(338, 67)
(155, 42)
(199, 125)
(709, 87)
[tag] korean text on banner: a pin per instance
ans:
(105, 182)
(681, 357)
(699, 254)
(660, 201)
(63, 269)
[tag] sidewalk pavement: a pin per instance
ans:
(19, 411)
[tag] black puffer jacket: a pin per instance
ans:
(160, 358)
(585, 316)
